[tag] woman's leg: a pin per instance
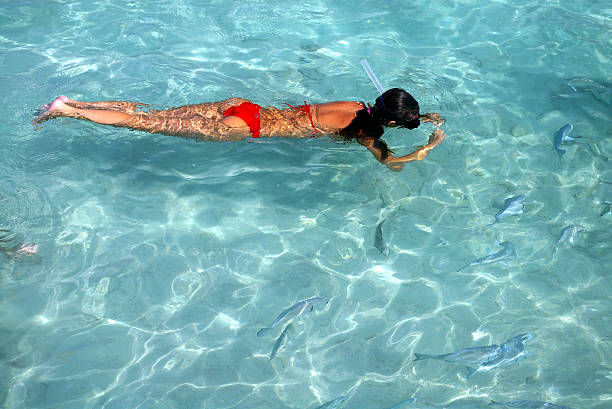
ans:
(121, 106)
(132, 108)
(193, 121)
(192, 126)
(59, 108)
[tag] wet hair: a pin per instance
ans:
(394, 105)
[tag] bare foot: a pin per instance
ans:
(52, 110)
(71, 102)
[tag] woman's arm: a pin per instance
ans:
(421, 152)
(396, 162)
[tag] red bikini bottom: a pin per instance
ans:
(249, 113)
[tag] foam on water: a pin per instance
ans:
(159, 258)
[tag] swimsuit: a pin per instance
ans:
(305, 109)
(249, 113)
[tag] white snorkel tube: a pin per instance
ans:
(373, 78)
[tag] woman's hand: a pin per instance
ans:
(396, 163)
(432, 117)
(436, 138)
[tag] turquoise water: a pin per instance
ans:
(160, 258)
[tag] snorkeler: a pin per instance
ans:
(235, 118)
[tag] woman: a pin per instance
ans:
(236, 118)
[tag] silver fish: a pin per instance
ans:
(529, 404)
(561, 136)
(468, 357)
(294, 311)
(512, 206)
(281, 341)
(568, 234)
(510, 351)
(379, 240)
(508, 251)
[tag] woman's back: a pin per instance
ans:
(336, 115)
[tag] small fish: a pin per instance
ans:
(561, 136)
(379, 241)
(512, 206)
(281, 341)
(568, 234)
(294, 311)
(468, 357)
(529, 404)
(510, 351)
(508, 251)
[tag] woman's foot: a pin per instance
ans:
(52, 110)
(72, 102)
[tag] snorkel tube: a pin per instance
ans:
(373, 78)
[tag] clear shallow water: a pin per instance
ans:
(159, 258)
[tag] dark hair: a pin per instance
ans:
(399, 106)
(393, 105)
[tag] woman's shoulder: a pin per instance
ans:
(337, 114)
